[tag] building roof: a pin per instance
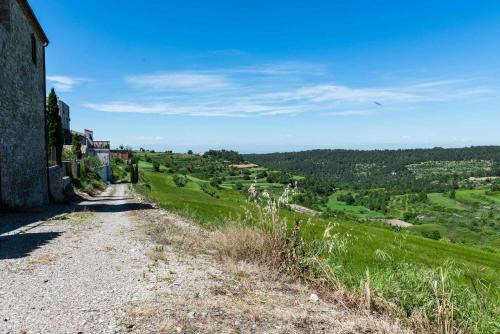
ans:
(28, 11)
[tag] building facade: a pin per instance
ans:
(99, 149)
(120, 154)
(65, 121)
(23, 151)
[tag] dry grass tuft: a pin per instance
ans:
(240, 243)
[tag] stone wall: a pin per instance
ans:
(23, 160)
(56, 184)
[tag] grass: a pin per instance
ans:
(476, 197)
(400, 268)
(355, 210)
(445, 202)
(191, 200)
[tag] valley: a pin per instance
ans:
(453, 231)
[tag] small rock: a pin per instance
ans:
(313, 298)
(191, 315)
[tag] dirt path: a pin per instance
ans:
(99, 272)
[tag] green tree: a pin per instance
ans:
(134, 173)
(54, 126)
(453, 194)
(76, 146)
(190, 152)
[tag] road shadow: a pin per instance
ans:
(10, 221)
(124, 207)
(22, 244)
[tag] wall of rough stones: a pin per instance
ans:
(23, 161)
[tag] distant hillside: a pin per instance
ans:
(393, 169)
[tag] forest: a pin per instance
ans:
(401, 171)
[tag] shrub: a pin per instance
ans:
(68, 154)
(433, 234)
(180, 180)
(215, 182)
(208, 189)
(156, 166)
(91, 164)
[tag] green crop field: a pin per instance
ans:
(335, 205)
(445, 202)
(401, 264)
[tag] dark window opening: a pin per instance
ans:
(33, 48)
(5, 14)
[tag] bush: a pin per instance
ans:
(433, 234)
(238, 186)
(68, 154)
(156, 166)
(180, 180)
(208, 189)
(215, 182)
(261, 175)
(91, 164)
(408, 216)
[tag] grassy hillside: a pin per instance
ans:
(401, 266)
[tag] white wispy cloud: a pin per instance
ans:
(325, 93)
(180, 81)
(352, 113)
(65, 83)
(277, 89)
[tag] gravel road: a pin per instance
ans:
(79, 274)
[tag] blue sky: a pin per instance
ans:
(262, 76)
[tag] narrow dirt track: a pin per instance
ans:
(95, 270)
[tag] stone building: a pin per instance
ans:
(99, 149)
(120, 154)
(23, 152)
(65, 120)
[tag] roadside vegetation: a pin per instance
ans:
(416, 274)
(121, 170)
(89, 181)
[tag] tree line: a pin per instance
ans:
(326, 170)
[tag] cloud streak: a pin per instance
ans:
(65, 83)
(180, 81)
(276, 89)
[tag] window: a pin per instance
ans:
(5, 14)
(33, 49)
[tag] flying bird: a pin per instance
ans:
(377, 103)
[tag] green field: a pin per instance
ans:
(401, 264)
(446, 202)
(356, 210)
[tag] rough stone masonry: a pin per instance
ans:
(23, 157)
